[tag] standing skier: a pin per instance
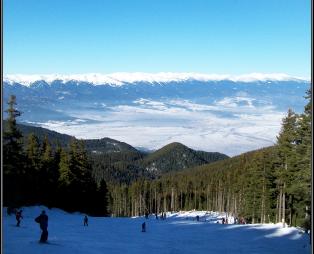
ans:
(85, 221)
(143, 227)
(42, 219)
(146, 214)
(18, 217)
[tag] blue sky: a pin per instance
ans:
(206, 36)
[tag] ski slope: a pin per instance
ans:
(179, 233)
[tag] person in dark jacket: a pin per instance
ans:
(18, 217)
(42, 219)
(143, 227)
(223, 220)
(85, 220)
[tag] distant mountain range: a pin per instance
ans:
(124, 78)
(228, 114)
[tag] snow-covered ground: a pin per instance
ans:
(179, 233)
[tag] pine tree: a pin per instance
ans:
(302, 186)
(33, 153)
(12, 140)
(81, 167)
(48, 173)
(64, 182)
(286, 147)
(103, 198)
(32, 174)
(13, 158)
(77, 187)
(55, 176)
(65, 174)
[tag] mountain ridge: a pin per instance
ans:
(122, 78)
(102, 145)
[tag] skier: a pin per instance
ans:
(85, 221)
(223, 220)
(242, 221)
(146, 214)
(18, 217)
(156, 216)
(42, 219)
(143, 227)
(197, 218)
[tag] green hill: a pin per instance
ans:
(176, 156)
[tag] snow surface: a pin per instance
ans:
(179, 233)
(121, 78)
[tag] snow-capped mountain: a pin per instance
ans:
(224, 113)
(122, 78)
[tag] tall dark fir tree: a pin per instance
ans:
(13, 158)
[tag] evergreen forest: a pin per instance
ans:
(272, 184)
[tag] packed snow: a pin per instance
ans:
(180, 232)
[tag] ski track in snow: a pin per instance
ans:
(179, 233)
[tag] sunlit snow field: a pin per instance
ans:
(179, 233)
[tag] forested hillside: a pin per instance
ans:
(115, 161)
(268, 185)
(175, 156)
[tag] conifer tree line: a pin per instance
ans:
(268, 185)
(35, 173)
